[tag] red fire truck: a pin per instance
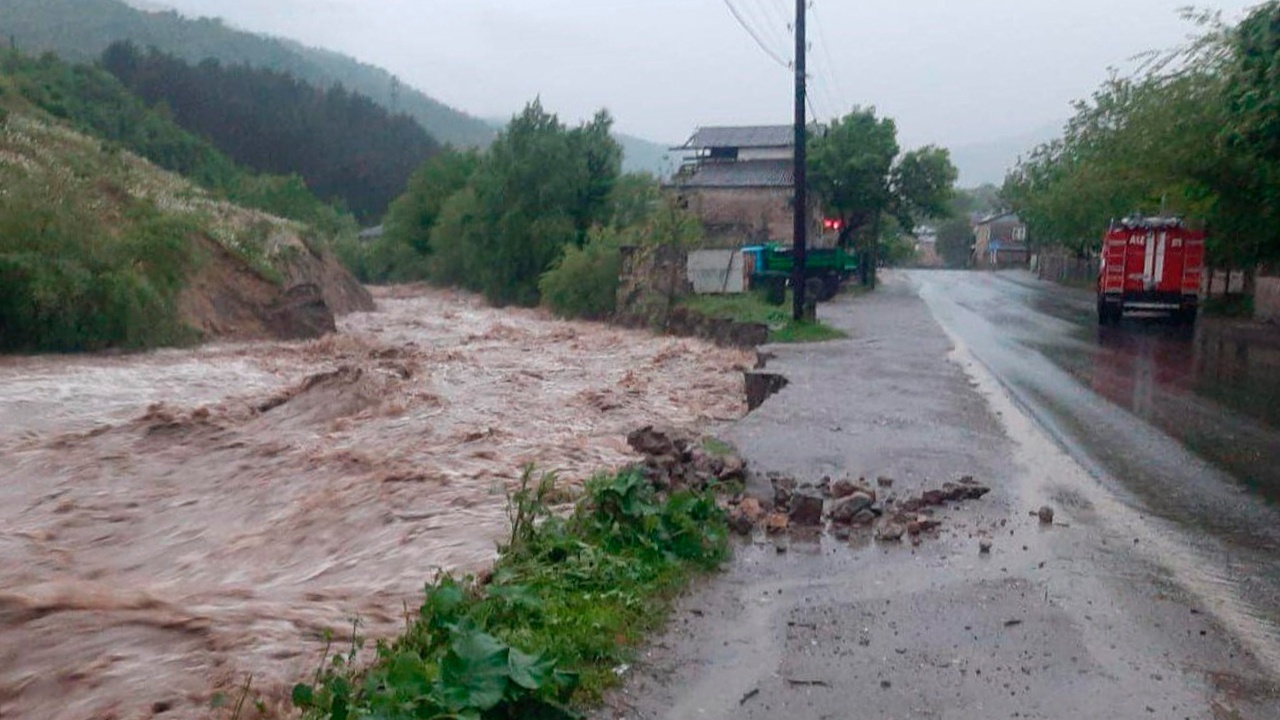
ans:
(1150, 265)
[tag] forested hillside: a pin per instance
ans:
(347, 148)
(100, 248)
(83, 29)
(95, 103)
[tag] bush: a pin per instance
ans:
(584, 283)
(67, 284)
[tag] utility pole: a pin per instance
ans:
(800, 250)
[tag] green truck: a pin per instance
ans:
(825, 269)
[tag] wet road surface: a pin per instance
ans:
(1141, 601)
(1181, 424)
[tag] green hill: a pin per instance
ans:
(101, 248)
(82, 29)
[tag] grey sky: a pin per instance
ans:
(951, 72)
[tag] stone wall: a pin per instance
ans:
(1068, 269)
(653, 278)
(1266, 301)
(733, 217)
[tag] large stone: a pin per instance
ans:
(653, 441)
(732, 468)
(890, 532)
(844, 511)
(933, 497)
(806, 509)
(783, 489)
(751, 508)
(841, 489)
(1046, 515)
(777, 523)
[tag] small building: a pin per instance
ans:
(372, 234)
(740, 182)
(1000, 241)
(926, 246)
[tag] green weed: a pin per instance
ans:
(567, 602)
(753, 308)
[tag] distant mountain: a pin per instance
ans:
(989, 162)
(640, 155)
(81, 29)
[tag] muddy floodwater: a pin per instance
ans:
(176, 523)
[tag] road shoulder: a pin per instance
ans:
(1060, 621)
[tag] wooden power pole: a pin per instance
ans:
(800, 250)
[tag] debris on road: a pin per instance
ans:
(850, 504)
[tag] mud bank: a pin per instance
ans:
(177, 522)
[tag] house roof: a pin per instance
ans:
(754, 136)
(743, 174)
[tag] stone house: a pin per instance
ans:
(1000, 241)
(740, 181)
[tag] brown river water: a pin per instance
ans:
(176, 524)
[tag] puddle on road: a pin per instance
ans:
(1216, 390)
(174, 522)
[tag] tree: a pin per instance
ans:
(1253, 133)
(857, 172)
(413, 214)
(540, 188)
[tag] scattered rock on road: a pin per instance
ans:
(777, 523)
(846, 510)
(1046, 515)
(890, 532)
(806, 509)
(783, 489)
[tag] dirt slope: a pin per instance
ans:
(255, 277)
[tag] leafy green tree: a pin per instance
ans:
(857, 170)
(635, 197)
(583, 284)
(539, 189)
(1250, 204)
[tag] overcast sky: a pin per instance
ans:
(951, 72)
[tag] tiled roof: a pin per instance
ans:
(758, 136)
(744, 174)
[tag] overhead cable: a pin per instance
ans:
(737, 15)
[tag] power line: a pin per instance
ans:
(777, 20)
(829, 63)
(755, 35)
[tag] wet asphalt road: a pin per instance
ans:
(1181, 424)
(1153, 596)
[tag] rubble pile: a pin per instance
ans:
(677, 460)
(846, 505)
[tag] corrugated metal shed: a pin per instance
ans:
(746, 174)
(757, 136)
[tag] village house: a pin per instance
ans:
(1000, 241)
(739, 182)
